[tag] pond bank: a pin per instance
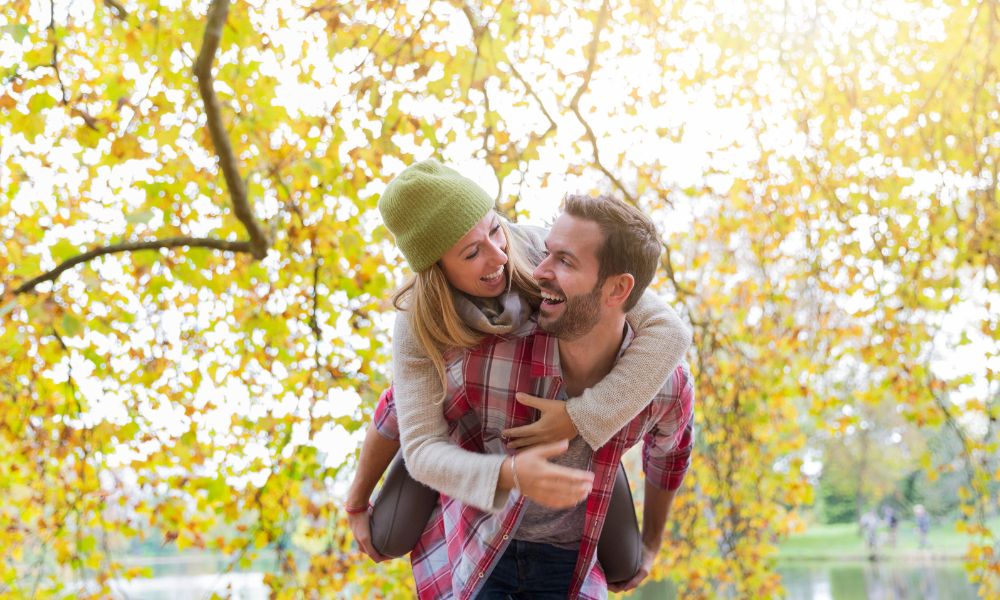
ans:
(843, 542)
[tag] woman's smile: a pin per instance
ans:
(494, 278)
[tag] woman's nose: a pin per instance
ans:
(499, 254)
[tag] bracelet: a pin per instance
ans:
(513, 470)
(357, 510)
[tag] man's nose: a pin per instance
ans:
(542, 271)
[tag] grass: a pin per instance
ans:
(844, 542)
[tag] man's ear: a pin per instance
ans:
(618, 288)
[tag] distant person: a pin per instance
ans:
(869, 529)
(891, 523)
(923, 524)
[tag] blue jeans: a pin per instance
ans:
(530, 570)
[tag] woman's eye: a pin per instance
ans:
(474, 254)
(495, 229)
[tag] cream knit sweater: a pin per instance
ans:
(435, 460)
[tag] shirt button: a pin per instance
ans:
(505, 536)
(481, 575)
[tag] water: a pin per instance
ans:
(935, 580)
(191, 576)
(235, 586)
(931, 580)
(877, 581)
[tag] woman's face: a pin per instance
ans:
(476, 263)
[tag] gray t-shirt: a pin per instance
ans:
(561, 528)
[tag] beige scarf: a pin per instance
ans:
(495, 316)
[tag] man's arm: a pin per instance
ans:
(655, 511)
(377, 452)
(666, 458)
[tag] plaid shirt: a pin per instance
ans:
(461, 545)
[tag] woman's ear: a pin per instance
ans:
(618, 289)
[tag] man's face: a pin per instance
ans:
(571, 298)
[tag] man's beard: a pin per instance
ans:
(579, 317)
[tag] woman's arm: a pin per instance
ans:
(431, 456)
(434, 459)
(661, 340)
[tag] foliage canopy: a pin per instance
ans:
(193, 277)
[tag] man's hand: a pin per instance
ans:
(648, 556)
(656, 509)
(553, 423)
(552, 486)
(362, 530)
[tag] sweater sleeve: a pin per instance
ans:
(661, 340)
(431, 456)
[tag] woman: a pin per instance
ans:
(472, 278)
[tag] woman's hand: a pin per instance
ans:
(553, 423)
(553, 486)
(362, 530)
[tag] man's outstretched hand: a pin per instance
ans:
(553, 423)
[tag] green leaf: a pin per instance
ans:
(64, 249)
(71, 326)
(18, 31)
(41, 101)
(128, 431)
(6, 308)
(216, 489)
(143, 216)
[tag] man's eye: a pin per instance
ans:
(565, 262)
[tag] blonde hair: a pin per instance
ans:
(429, 298)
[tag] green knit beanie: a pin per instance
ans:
(428, 207)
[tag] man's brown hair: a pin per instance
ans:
(631, 242)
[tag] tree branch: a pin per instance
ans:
(227, 159)
(313, 319)
(174, 242)
(668, 265)
(534, 95)
(574, 105)
(55, 52)
(117, 10)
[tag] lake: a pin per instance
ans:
(931, 580)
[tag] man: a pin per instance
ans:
(601, 256)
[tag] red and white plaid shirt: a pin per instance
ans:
(461, 544)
